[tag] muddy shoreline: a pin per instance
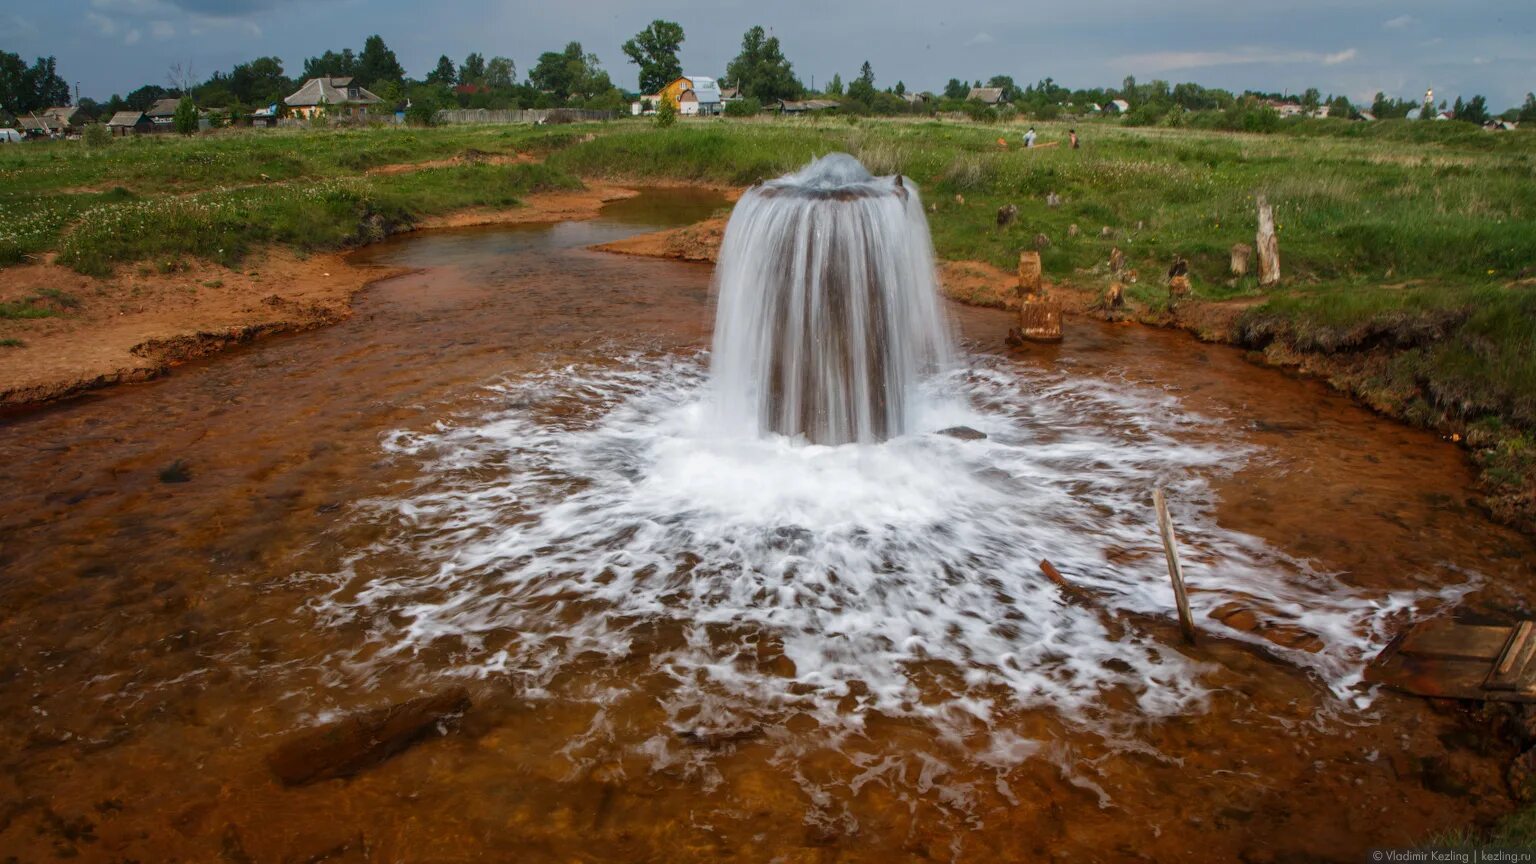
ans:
(145, 319)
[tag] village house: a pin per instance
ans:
(70, 119)
(125, 123)
(1116, 106)
(987, 96)
(694, 95)
(162, 115)
(331, 97)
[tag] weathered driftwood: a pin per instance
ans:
(1114, 296)
(1268, 245)
(1116, 260)
(362, 740)
(1175, 571)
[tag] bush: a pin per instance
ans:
(186, 116)
(666, 112)
(747, 107)
(97, 136)
(421, 114)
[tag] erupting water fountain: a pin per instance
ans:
(828, 310)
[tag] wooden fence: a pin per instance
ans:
(534, 115)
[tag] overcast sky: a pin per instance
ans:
(1354, 47)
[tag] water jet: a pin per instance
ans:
(828, 312)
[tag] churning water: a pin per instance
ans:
(664, 529)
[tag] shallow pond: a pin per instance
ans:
(683, 649)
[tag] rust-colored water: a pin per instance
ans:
(159, 639)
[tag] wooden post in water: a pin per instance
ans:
(1175, 572)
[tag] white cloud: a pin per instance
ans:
(980, 39)
(1401, 22)
(104, 25)
(162, 29)
(1167, 61)
(132, 37)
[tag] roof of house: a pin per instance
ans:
(43, 122)
(163, 108)
(807, 104)
(65, 113)
(331, 91)
(989, 95)
(1118, 105)
(730, 92)
(126, 118)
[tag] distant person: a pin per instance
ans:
(1072, 136)
(1029, 137)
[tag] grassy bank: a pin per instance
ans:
(1407, 249)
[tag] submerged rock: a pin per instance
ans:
(964, 433)
(364, 739)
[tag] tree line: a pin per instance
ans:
(573, 77)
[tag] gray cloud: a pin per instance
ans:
(1339, 46)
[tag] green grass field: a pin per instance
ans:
(1408, 244)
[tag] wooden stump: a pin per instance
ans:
(1006, 214)
(1052, 200)
(1039, 320)
(1072, 230)
(1242, 253)
(1116, 260)
(1268, 245)
(1029, 273)
(1114, 296)
(1178, 286)
(1042, 241)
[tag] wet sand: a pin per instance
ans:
(162, 637)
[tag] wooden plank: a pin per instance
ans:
(1449, 640)
(1449, 679)
(1510, 669)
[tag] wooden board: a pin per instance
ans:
(1461, 661)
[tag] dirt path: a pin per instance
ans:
(139, 322)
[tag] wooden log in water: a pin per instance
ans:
(1175, 571)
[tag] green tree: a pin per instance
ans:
(1474, 110)
(666, 111)
(499, 73)
(24, 88)
(260, 82)
(654, 50)
(472, 70)
(761, 71)
(444, 74)
(571, 75)
(862, 88)
(1339, 106)
(331, 64)
(1310, 99)
(1528, 110)
(956, 89)
(377, 65)
(185, 120)
(835, 86)
(901, 88)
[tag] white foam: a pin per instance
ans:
(586, 507)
